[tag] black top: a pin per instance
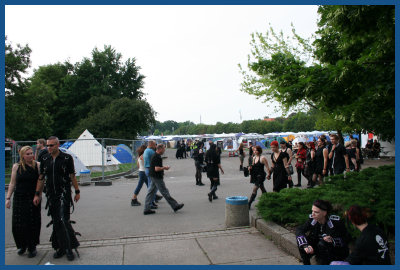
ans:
(156, 161)
(198, 155)
(42, 152)
(338, 161)
(241, 152)
(57, 173)
(212, 158)
(319, 160)
(258, 168)
(370, 248)
(334, 228)
(251, 151)
(26, 180)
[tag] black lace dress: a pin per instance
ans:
(26, 217)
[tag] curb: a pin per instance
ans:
(279, 235)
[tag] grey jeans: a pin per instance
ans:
(158, 183)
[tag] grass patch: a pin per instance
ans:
(122, 168)
(372, 187)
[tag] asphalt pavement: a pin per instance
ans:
(115, 233)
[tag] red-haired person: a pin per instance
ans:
(279, 167)
(301, 156)
(371, 247)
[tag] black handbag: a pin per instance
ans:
(246, 171)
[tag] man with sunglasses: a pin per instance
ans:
(58, 170)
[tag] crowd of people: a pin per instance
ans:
(51, 171)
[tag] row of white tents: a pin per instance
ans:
(88, 153)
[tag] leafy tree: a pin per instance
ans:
(122, 118)
(25, 116)
(347, 73)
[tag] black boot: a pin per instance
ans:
(241, 168)
(252, 198)
(32, 252)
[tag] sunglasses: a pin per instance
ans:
(50, 145)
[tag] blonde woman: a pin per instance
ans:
(26, 218)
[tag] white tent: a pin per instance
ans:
(89, 151)
(78, 164)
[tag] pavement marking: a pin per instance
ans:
(150, 238)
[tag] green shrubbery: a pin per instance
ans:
(373, 188)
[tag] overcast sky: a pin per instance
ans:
(189, 54)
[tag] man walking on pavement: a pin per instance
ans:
(157, 176)
(58, 170)
(147, 155)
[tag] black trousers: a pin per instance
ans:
(325, 252)
(63, 236)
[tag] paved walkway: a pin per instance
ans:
(239, 246)
(115, 233)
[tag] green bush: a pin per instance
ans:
(373, 188)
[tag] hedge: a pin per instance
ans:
(373, 188)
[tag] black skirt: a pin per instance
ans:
(26, 220)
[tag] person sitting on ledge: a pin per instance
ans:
(371, 247)
(322, 235)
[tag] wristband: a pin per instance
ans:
(37, 193)
(8, 198)
(77, 191)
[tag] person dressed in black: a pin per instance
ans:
(376, 149)
(41, 149)
(321, 162)
(213, 161)
(183, 149)
(26, 218)
(322, 235)
(198, 156)
(178, 150)
(258, 173)
(338, 156)
(371, 247)
(279, 168)
(250, 153)
(289, 152)
(58, 170)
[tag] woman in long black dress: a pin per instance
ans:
(279, 167)
(321, 162)
(257, 173)
(213, 161)
(26, 218)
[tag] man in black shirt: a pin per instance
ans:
(338, 156)
(157, 176)
(58, 169)
(41, 149)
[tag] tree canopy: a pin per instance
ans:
(346, 73)
(100, 93)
